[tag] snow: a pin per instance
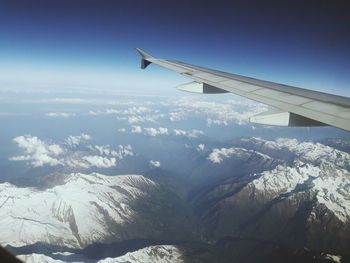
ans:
(68, 214)
(334, 258)
(312, 152)
(152, 254)
(284, 179)
(325, 170)
(334, 193)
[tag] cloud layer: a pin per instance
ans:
(74, 152)
(60, 114)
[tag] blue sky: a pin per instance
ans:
(90, 42)
(60, 60)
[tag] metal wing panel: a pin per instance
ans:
(325, 108)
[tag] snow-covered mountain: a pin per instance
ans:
(83, 210)
(73, 214)
(276, 197)
(291, 149)
(152, 254)
(303, 201)
(324, 170)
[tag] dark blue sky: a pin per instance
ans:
(302, 43)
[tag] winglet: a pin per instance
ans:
(145, 58)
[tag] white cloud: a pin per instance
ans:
(136, 129)
(139, 118)
(155, 131)
(211, 122)
(136, 119)
(106, 112)
(124, 151)
(122, 130)
(150, 131)
(180, 132)
(218, 155)
(154, 163)
(39, 153)
(128, 111)
(200, 147)
(188, 134)
(177, 115)
(76, 140)
(103, 149)
(100, 161)
(216, 113)
(165, 131)
(103, 102)
(60, 114)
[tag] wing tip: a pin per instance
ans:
(144, 58)
(143, 53)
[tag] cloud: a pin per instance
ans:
(37, 152)
(155, 132)
(100, 162)
(86, 101)
(122, 130)
(71, 153)
(200, 147)
(188, 134)
(76, 140)
(106, 112)
(60, 114)
(165, 131)
(124, 151)
(133, 111)
(211, 122)
(154, 163)
(177, 115)
(216, 113)
(218, 155)
(138, 118)
(150, 131)
(180, 132)
(136, 129)
(128, 111)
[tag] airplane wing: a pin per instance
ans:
(293, 106)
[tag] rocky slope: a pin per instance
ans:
(283, 199)
(303, 202)
(85, 209)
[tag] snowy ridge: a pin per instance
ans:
(305, 166)
(152, 254)
(334, 192)
(157, 254)
(284, 179)
(325, 168)
(313, 152)
(73, 214)
(218, 155)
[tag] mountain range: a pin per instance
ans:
(248, 200)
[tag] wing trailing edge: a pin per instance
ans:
(296, 106)
(203, 88)
(283, 118)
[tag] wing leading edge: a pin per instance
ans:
(294, 106)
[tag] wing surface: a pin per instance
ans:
(296, 106)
